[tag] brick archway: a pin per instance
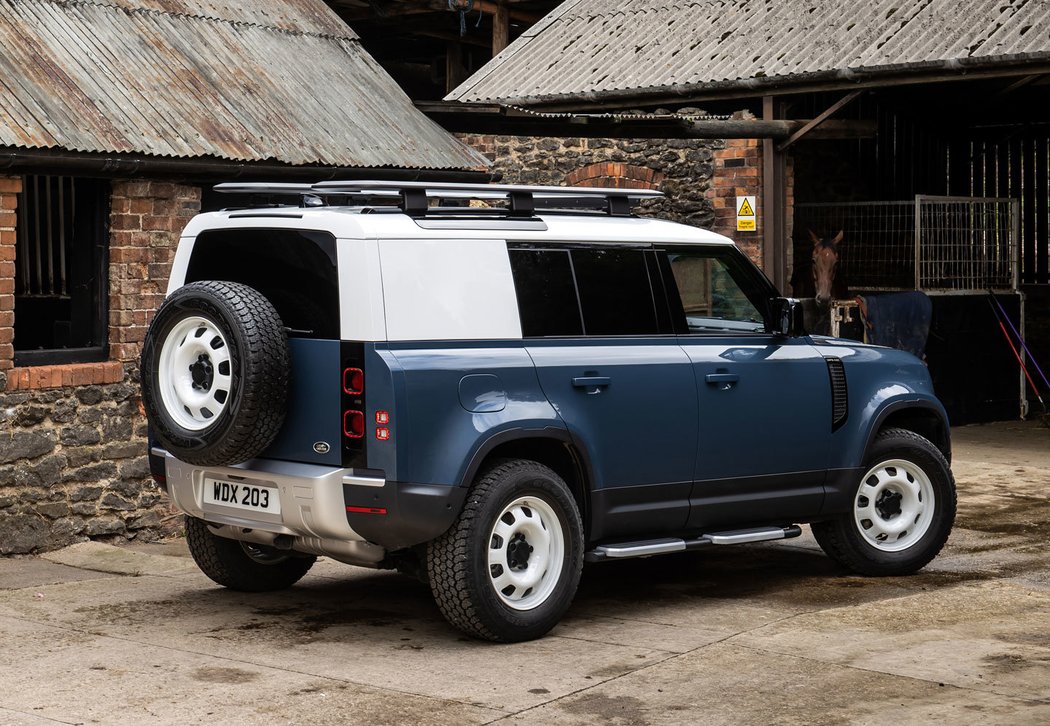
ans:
(615, 175)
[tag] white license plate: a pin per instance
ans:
(240, 495)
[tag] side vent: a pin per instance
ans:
(839, 397)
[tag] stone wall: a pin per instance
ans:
(701, 177)
(72, 437)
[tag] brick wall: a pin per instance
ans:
(738, 172)
(72, 437)
(9, 189)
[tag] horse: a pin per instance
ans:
(818, 278)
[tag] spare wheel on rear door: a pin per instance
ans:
(215, 373)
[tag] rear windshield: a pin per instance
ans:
(296, 270)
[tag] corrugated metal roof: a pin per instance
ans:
(279, 80)
(590, 49)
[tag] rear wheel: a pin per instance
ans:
(902, 509)
(242, 565)
(508, 568)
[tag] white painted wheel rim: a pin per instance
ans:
(526, 585)
(195, 346)
(894, 505)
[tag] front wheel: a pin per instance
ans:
(901, 512)
(508, 568)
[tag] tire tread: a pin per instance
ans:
(834, 538)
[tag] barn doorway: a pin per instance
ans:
(947, 200)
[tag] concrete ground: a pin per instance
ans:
(770, 633)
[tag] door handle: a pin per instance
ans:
(595, 382)
(724, 381)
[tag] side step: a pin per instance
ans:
(650, 547)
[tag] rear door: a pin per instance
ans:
(764, 401)
(608, 360)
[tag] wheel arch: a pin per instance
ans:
(552, 447)
(920, 417)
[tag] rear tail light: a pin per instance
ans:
(353, 381)
(354, 424)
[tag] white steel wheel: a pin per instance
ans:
(894, 505)
(194, 373)
(508, 567)
(526, 553)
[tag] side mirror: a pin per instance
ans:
(785, 317)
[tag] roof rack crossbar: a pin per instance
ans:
(414, 195)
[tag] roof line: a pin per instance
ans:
(848, 78)
(199, 16)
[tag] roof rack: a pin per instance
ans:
(413, 196)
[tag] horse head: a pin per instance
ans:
(825, 264)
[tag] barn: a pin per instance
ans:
(116, 119)
(917, 130)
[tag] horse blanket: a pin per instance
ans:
(898, 320)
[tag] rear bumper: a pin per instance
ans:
(319, 503)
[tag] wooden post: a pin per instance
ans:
(774, 245)
(500, 29)
(455, 73)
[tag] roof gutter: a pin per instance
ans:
(841, 79)
(51, 161)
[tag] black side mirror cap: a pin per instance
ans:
(785, 317)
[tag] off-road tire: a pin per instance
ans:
(457, 562)
(842, 538)
(243, 566)
(253, 409)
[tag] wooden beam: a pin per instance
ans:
(819, 119)
(500, 29)
(455, 72)
(486, 118)
(774, 244)
(484, 6)
(1020, 83)
(452, 37)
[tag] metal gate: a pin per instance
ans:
(939, 245)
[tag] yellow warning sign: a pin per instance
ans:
(745, 214)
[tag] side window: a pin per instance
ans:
(716, 291)
(616, 296)
(589, 291)
(546, 292)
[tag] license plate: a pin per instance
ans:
(240, 495)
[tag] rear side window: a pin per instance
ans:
(588, 291)
(616, 296)
(296, 271)
(546, 292)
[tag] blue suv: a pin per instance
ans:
(489, 385)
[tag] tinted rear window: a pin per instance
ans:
(615, 293)
(546, 293)
(295, 270)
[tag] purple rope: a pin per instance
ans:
(1023, 344)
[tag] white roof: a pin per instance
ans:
(350, 223)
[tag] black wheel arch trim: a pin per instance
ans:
(926, 406)
(518, 434)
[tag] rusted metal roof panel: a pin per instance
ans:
(588, 50)
(277, 80)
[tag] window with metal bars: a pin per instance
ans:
(61, 270)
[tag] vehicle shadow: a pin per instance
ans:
(398, 610)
